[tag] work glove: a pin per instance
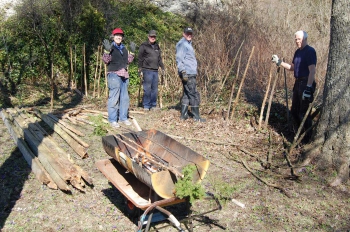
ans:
(107, 46)
(184, 76)
(132, 48)
(276, 60)
(308, 94)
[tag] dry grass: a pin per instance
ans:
(28, 206)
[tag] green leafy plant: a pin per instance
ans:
(185, 187)
(223, 191)
(101, 127)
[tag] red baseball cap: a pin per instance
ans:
(118, 31)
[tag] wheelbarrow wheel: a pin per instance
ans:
(131, 209)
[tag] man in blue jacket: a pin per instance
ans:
(150, 60)
(187, 70)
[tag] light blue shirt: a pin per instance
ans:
(185, 57)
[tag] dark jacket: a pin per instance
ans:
(150, 56)
(118, 61)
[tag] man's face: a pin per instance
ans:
(118, 38)
(299, 41)
(152, 39)
(188, 36)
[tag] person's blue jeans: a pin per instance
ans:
(150, 88)
(118, 99)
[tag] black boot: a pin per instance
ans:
(184, 112)
(196, 117)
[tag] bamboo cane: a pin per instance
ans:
(271, 97)
(242, 81)
(99, 74)
(229, 71)
(265, 98)
(96, 69)
(71, 67)
(106, 89)
(84, 68)
(233, 88)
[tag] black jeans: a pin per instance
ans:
(191, 95)
(300, 106)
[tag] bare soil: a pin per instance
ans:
(26, 205)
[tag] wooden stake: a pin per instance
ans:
(271, 97)
(96, 70)
(71, 82)
(233, 88)
(84, 67)
(99, 74)
(106, 78)
(242, 81)
(60, 121)
(229, 71)
(265, 98)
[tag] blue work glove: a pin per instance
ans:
(308, 94)
(107, 46)
(276, 60)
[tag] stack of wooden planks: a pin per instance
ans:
(49, 162)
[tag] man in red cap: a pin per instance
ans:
(117, 58)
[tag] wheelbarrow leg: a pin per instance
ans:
(152, 211)
(189, 211)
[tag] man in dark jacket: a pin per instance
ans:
(150, 60)
(304, 67)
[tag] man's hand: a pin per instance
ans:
(276, 60)
(308, 94)
(107, 46)
(184, 76)
(140, 74)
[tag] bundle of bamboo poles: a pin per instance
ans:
(49, 162)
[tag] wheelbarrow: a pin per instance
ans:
(145, 167)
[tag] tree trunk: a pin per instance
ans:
(331, 142)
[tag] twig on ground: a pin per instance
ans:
(242, 161)
(204, 140)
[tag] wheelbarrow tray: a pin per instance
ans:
(132, 188)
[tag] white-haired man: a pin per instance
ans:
(304, 67)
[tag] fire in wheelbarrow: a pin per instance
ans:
(155, 159)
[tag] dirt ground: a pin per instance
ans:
(311, 205)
